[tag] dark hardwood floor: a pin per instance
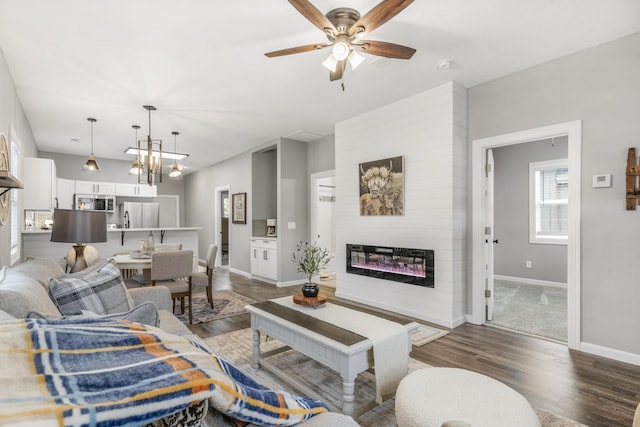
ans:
(592, 390)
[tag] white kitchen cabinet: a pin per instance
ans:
(66, 190)
(97, 188)
(136, 190)
(40, 184)
(264, 258)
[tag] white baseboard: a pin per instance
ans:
(526, 281)
(240, 272)
(610, 353)
(291, 283)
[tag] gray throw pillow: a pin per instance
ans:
(102, 291)
(145, 313)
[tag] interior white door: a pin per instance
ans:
(323, 222)
(489, 233)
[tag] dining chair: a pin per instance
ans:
(132, 277)
(174, 270)
(167, 247)
(206, 278)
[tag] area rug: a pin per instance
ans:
(236, 347)
(225, 304)
(425, 334)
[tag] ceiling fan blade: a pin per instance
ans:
(384, 11)
(389, 50)
(298, 49)
(337, 74)
(316, 17)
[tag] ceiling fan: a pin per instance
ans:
(344, 27)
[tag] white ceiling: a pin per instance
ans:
(201, 63)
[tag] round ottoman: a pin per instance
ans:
(431, 396)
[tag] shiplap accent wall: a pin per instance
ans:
(429, 131)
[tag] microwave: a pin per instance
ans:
(90, 202)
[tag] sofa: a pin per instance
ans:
(35, 289)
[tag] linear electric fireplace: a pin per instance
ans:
(412, 266)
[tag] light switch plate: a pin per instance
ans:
(601, 180)
(291, 225)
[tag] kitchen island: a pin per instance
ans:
(37, 244)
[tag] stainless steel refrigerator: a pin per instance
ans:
(139, 214)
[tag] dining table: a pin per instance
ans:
(134, 262)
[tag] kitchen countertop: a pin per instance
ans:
(127, 229)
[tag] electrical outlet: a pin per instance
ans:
(528, 264)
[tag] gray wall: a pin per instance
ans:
(293, 201)
(200, 204)
(14, 126)
(511, 213)
(322, 154)
(293, 189)
(601, 87)
(264, 177)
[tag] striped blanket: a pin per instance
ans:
(94, 372)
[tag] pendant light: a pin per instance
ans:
(154, 163)
(138, 163)
(91, 165)
(175, 172)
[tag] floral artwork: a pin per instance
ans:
(382, 187)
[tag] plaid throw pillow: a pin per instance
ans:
(102, 291)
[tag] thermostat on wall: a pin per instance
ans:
(601, 180)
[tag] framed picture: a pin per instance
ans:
(239, 208)
(382, 187)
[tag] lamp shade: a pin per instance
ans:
(79, 226)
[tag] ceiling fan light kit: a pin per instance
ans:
(355, 59)
(343, 27)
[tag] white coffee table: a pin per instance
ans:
(338, 349)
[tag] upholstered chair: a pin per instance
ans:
(174, 269)
(206, 278)
(167, 247)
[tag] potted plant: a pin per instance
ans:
(311, 259)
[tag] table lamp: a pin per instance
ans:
(79, 227)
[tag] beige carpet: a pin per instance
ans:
(225, 304)
(236, 347)
(425, 334)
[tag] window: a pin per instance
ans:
(549, 202)
(15, 219)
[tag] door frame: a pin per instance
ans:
(573, 130)
(313, 202)
(489, 220)
(217, 222)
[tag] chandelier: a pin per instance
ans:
(149, 170)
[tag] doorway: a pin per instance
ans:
(527, 186)
(222, 225)
(483, 233)
(323, 221)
